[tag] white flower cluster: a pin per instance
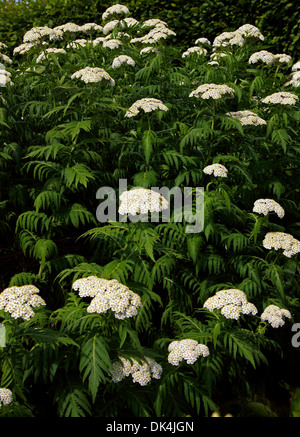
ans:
(262, 56)
(3, 46)
(67, 27)
(187, 349)
(115, 9)
(159, 31)
(42, 56)
(108, 295)
(294, 79)
(216, 169)
(198, 50)
(247, 118)
(268, 58)
(77, 42)
(212, 90)
(273, 314)
(282, 98)
(250, 31)
(296, 66)
(122, 59)
(202, 41)
(24, 48)
(5, 396)
(147, 104)
(228, 39)
(141, 200)
(231, 302)
(149, 50)
(5, 78)
(282, 240)
(282, 58)
(112, 44)
(5, 58)
(141, 372)
(111, 25)
(264, 206)
(152, 22)
(19, 301)
(90, 27)
(92, 74)
(36, 33)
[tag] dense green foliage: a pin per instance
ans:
(279, 21)
(60, 141)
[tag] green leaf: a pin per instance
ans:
(95, 362)
(148, 140)
(2, 335)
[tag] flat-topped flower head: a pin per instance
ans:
(247, 118)
(296, 66)
(19, 301)
(282, 240)
(194, 50)
(141, 201)
(36, 34)
(24, 48)
(5, 396)
(157, 33)
(115, 10)
(152, 22)
(77, 43)
(92, 75)
(282, 58)
(111, 25)
(150, 49)
(90, 27)
(264, 206)
(228, 39)
(68, 27)
(5, 78)
(43, 55)
(231, 302)
(262, 56)
(203, 40)
(273, 314)
(112, 44)
(121, 60)
(5, 58)
(250, 31)
(108, 295)
(281, 98)
(294, 79)
(141, 372)
(188, 349)
(147, 104)
(217, 170)
(212, 91)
